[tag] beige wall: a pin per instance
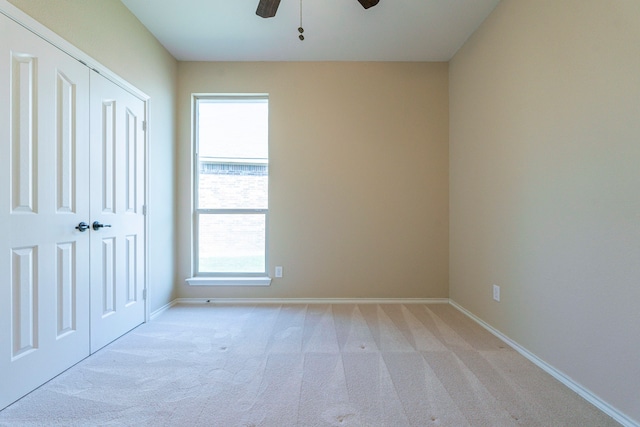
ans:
(545, 185)
(110, 34)
(358, 176)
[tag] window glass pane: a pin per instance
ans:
(233, 186)
(233, 153)
(233, 129)
(232, 178)
(232, 243)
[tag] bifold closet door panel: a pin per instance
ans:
(44, 196)
(117, 199)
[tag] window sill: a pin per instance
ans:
(229, 281)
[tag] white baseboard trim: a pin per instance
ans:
(564, 379)
(162, 309)
(310, 301)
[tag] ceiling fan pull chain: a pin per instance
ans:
(300, 29)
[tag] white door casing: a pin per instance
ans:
(44, 167)
(117, 249)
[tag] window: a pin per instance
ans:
(231, 185)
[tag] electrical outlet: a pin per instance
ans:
(279, 271)
(496, 293)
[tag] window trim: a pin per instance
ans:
(229, 281)
(222, 278)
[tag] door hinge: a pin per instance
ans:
(144, 293)
(144, 125)
(144, 209)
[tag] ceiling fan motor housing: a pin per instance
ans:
(268, 8)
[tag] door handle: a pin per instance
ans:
(82, 227)
(97, 226)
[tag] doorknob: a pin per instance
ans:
(83, 226)
(97, 226)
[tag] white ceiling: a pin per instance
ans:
(334, 30)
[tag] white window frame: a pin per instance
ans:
(222, 278)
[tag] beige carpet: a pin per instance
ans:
(306, 365)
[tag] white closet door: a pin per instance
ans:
(117, 198)
(44, 176)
